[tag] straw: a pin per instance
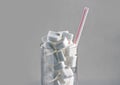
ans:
(81, 25)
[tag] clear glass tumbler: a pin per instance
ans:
(48, 74)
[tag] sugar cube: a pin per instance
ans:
(66, 72)
(72, 61)
(60, 56)
(71, 50)
(66, 81)
(62, 44)
(59, 66)
(54, 36)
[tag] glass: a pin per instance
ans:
(49, 75)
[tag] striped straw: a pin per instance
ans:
(81, 25)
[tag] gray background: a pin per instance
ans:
(24, 22)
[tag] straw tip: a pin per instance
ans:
(86, 8)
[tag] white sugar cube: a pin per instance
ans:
(70, 81)
(66, 81)
(60, 56)
(69, 36)
(60, 44)
(72, 60)
(71, 50)
(54, 36)
(66, 72)
(59, 66)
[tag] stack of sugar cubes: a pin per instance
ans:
(64, 52)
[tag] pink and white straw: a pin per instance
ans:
(81, 25)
